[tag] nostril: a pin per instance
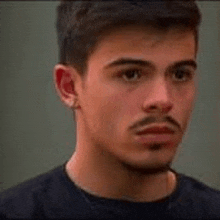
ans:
(160, 107)
(153, 107)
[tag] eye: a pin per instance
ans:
(183, 74)
(131, 75)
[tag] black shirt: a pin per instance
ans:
(54, 195)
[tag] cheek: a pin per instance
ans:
(116, 110)
(104, 109)
(186, 104)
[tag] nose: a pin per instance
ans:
(158, 99)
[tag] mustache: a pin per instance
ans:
(152, 119)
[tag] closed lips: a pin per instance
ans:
(156, 130)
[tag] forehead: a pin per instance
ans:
(145, 43)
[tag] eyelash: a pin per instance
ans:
(123, 73)
(187, 73)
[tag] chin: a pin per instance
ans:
(154, 160)
(147, 168)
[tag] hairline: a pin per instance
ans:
(110, 30)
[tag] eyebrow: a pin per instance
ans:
(191, 63)
(145, 63)
(127, 61)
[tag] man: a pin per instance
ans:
(128, 71)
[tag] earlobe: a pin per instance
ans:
(64, 83)
(74, 103)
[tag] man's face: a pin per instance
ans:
(138, 78)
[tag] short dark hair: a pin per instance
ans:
(80, 23)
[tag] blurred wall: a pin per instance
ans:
(37, 132)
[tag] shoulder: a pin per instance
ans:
(195, 198)
(49, 195)
(200, 189)
(25, 199)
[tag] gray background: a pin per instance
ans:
(37, 132)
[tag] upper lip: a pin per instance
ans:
(156, 129)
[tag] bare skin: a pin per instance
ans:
(110, 160)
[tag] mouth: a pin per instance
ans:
(157, 129)
(156, 133)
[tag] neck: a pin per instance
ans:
(111, 180)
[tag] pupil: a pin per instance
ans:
(179, 74)
(130, 74)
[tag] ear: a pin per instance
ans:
(65, 79)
